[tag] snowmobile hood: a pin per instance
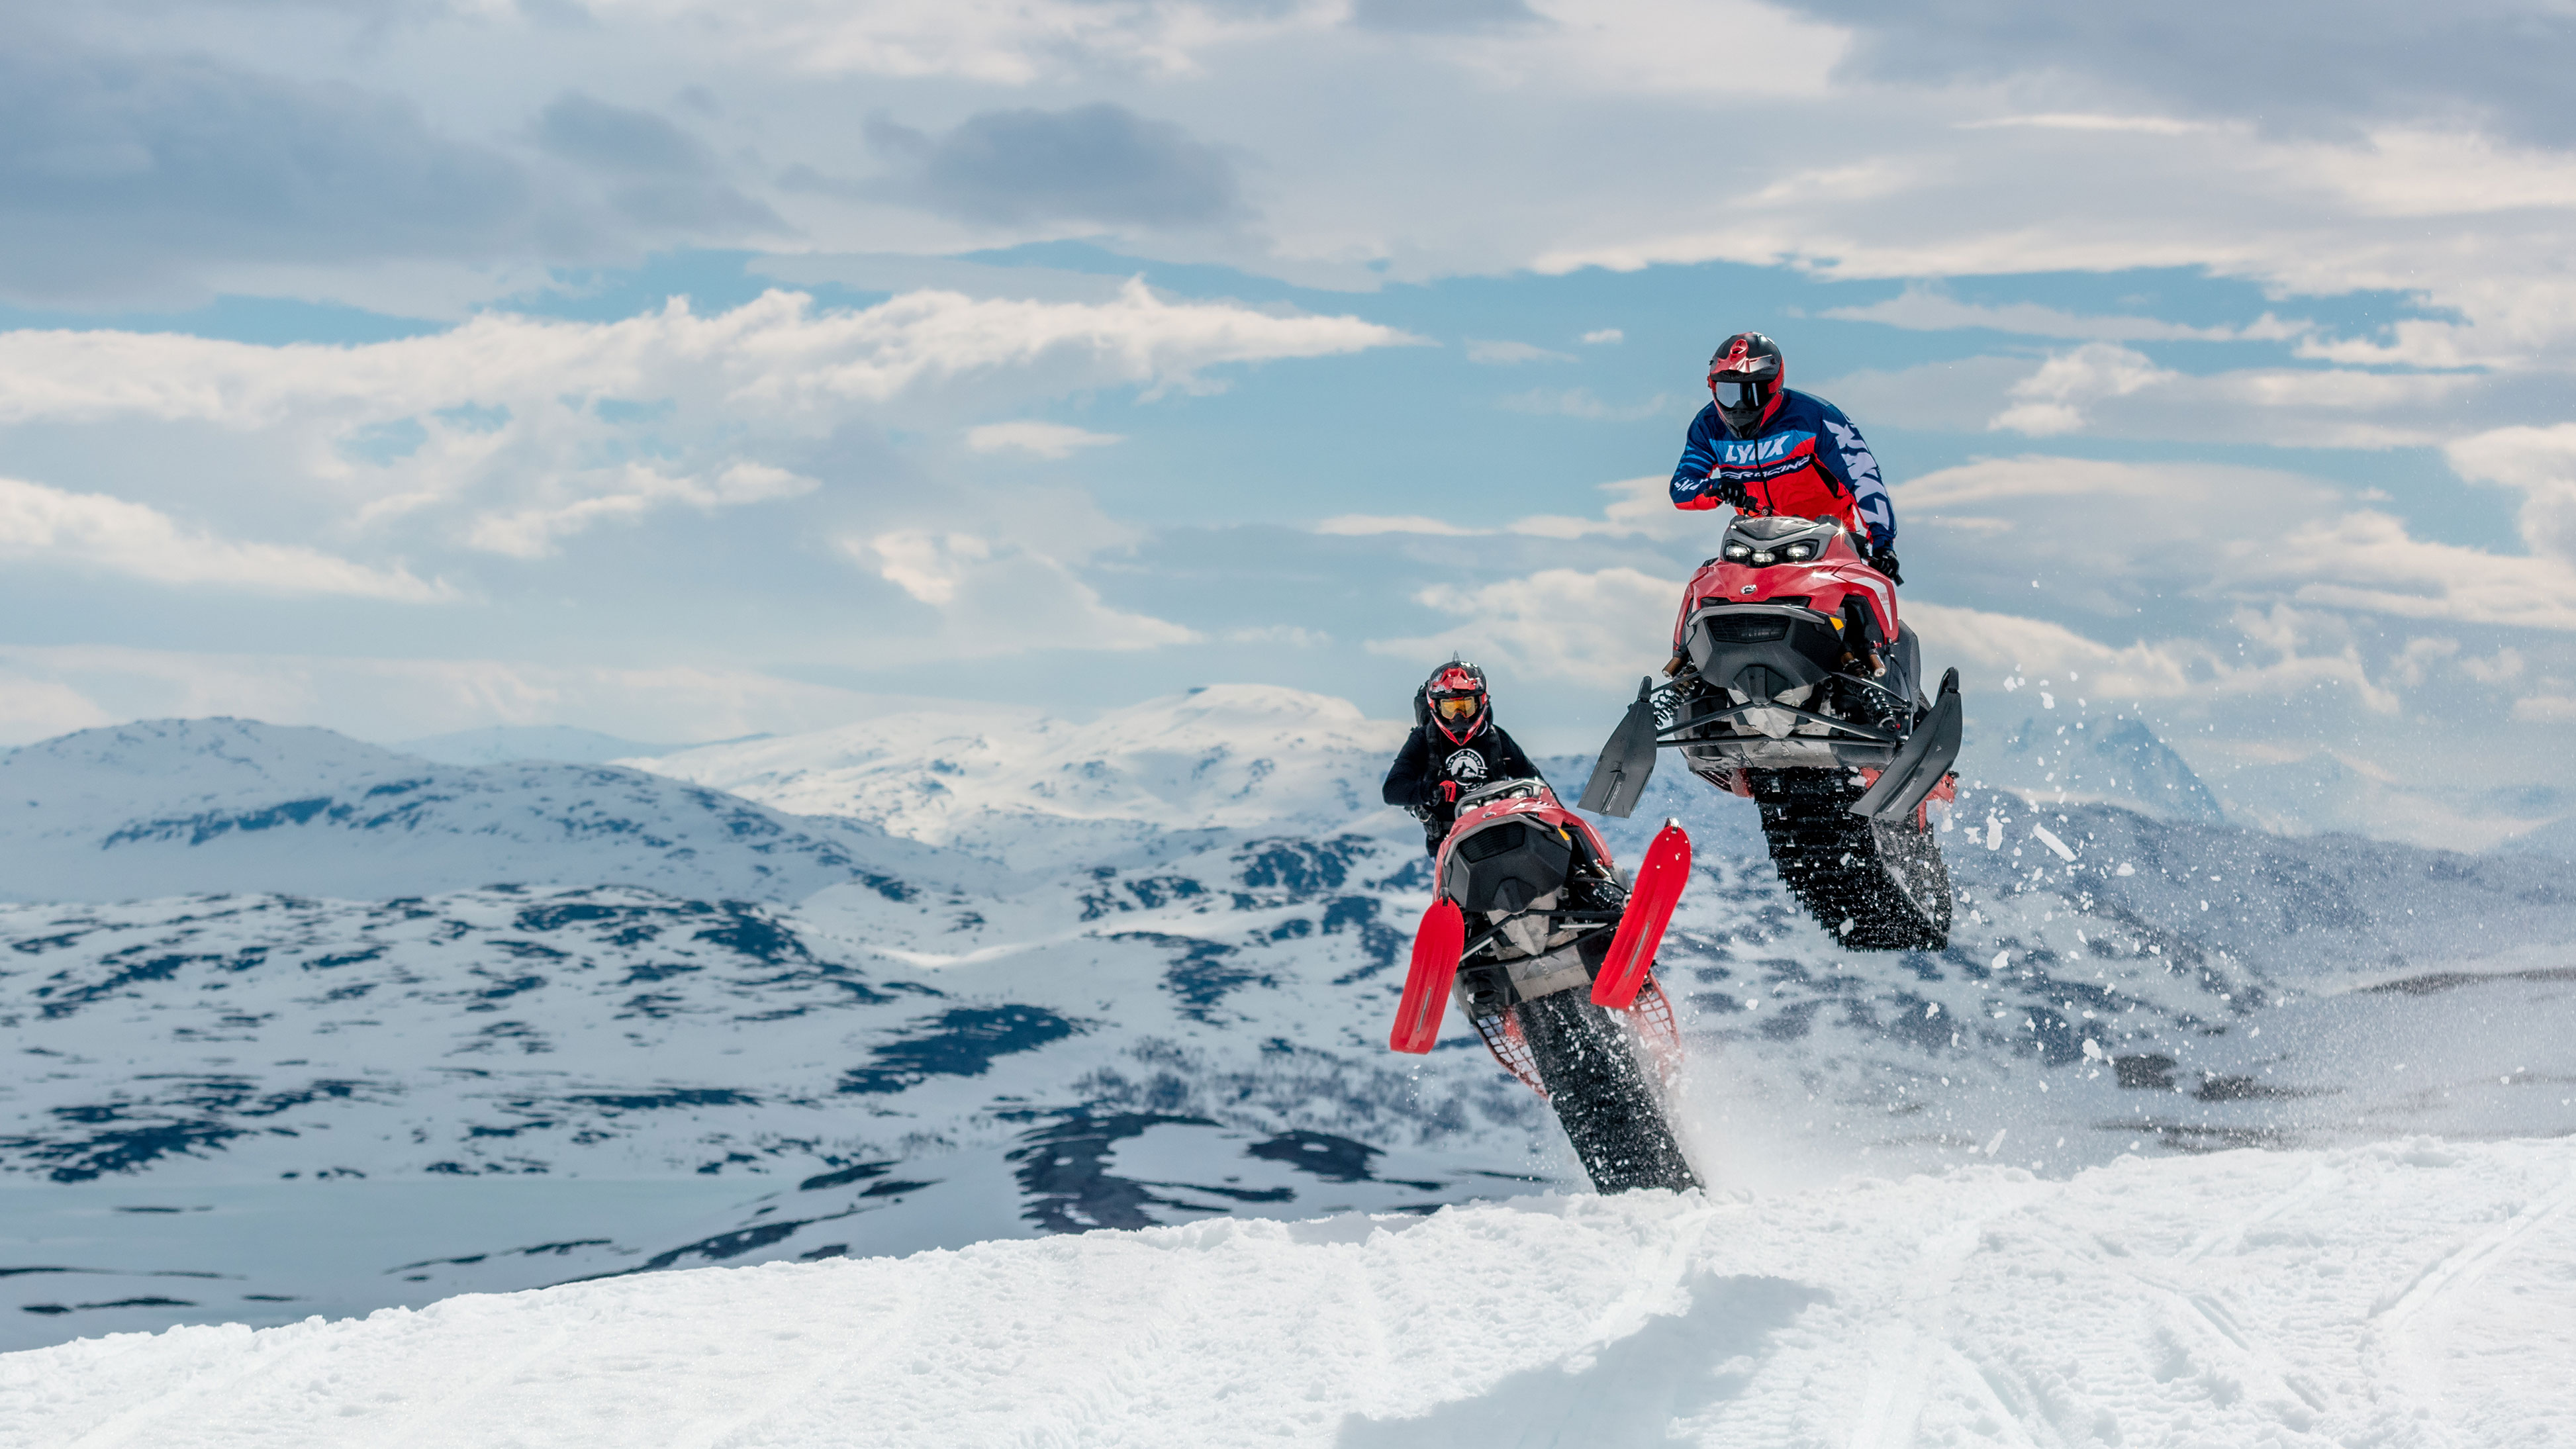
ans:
(1821, 582)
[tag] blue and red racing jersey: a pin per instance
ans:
(1808, 460)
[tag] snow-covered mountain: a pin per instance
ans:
(1035, 791)
(166, 807)
(1184, 1017)
(503, 744)
(2394, 1295)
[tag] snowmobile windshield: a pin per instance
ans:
(1762, 542)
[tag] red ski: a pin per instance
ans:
(1436, 947)
(1642, 921)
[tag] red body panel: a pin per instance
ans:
(1436, 946)
(1543, 807)
(1641, 924)
(1442, 939)
(1821, 582)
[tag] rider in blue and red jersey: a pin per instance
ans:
(1765, 449)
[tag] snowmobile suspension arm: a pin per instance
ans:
(1674, 736)
(1491, 933)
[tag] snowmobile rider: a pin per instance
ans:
(1765, 449)
(1455, 747)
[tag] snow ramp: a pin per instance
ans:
(2418, 1293)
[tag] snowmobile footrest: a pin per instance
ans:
(1919, 766)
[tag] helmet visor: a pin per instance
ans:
(1456, 707)
(1736, 394)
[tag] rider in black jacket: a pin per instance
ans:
(1454, 748)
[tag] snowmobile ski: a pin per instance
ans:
(1436, 948)
(1917, 768)
(1641, 924)
(1627, 762)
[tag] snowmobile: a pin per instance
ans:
(1794, 683)
(1559, 978)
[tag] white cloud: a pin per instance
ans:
(629, 493)
(1923, 308)
(2120, 533)
(2539, 461)
(1507, 354)
(928, 566)
(1578, 402)
(1000, 42)
(34, 709)
(2053, 399)
(1992, 645)
(998, 597)
(1603, 628)
(1291, 635)
(516, 432)
(1604, 337)
(777, 357)
(2104, 390)
(92, 530)
(1357, 525)
(1054, 441)
(49, 690)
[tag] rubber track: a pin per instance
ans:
(1837, 864)
(1607, 1104)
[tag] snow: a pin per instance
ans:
(2397, 1294)
(165, 807)
(1036, 791)
(1132, 973)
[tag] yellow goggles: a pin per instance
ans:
(1462, 707)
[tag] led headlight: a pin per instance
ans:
(1763, 557)
(1799, 552)
(1738, 553)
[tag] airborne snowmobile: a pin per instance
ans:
(1795, 684)
(1559, 978)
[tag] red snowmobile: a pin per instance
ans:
(1559, 978)
(1794, 684)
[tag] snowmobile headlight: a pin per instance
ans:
(1799, 552)
(1738, 552)
(1762, 557)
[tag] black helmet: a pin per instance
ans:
(1454, 698)
(1744, 379)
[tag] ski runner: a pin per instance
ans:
(1455, 747)
(1766, 449)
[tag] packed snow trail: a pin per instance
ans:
(2417, 1293)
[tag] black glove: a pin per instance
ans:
(1884, 560)
(1439, 793)
(1731, 492)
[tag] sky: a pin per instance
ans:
(687, 370)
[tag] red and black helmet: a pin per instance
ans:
(1454, 699)
(1744, 378)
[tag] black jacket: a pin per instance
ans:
(1428, 758)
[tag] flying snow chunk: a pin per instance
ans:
(2048, 837)
(1994, 833)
